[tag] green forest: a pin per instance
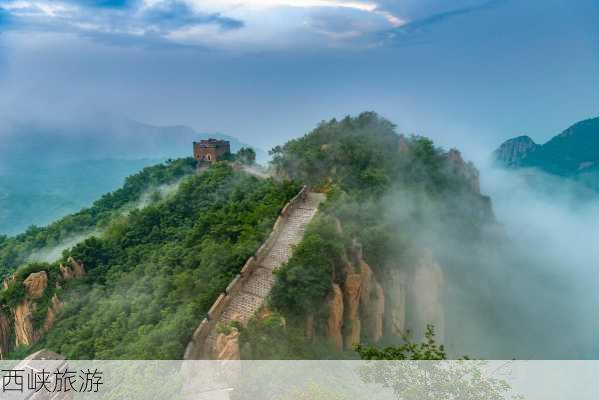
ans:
(153, 270)
(366, 168)
(153, 274)
(14, 251)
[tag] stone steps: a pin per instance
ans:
(257, 287)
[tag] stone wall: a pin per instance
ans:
(209, 324)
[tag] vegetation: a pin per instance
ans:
(366, 168)
(154, 273)
(16, 250)
(304, 282)
(427, 350)
(246, 155)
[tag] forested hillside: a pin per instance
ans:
(573, 154)
(16, 250)
(371, 267)
(402, 218)
(153, 273)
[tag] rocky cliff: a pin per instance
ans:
(513, 151)
(20, 324)
(367, 304)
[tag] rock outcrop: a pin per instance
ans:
(5, 335)
(395, 290)
(351, 298)
(513, 151)
(464, 169)
(17, 324)
(372, 304)
(35, 284)
(366, 304)
(227, 346)
(24, 333)
(425, 301)
(75, 270)
(335, 319)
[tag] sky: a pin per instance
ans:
(467, 73)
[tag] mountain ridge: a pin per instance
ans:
(573, 153)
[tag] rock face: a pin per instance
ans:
(364, 307)
(17, 326)
(5, 335)
(55, 306)
(351, 298)
(372, 303)
(512, 151)
(36, 284)
(227, 346)
(335, 319)
(23, 325)
(425, 300)
(75, 270)
(465, 169)
(395, 289)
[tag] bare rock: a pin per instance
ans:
(351, 298)
(78, 268)
(53, 310)
(335, 320)
(426, 297)
(36, 283)
(465, 169)
(395, 304)
(6, 343)
(372, 303)
(8, 281)
(227, 346)
(24, 334)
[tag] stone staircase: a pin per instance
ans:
(246, 294)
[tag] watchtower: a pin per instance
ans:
(210, 150)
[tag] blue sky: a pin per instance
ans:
(467, 73)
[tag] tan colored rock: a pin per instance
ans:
(53, 310)
(66, 272)
(78, 268)
(36, 284)
(227, 346)
(8, 281)
(5, 335)
(24, 334)
(466, 169)
(75, 270)
(395, 306)
(372, 302)
(351, 299)
(426, 298)
(335, 319)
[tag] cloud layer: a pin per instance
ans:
(207, 23)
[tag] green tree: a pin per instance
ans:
(421, 371)
(246, 155)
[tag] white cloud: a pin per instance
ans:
(36, 8)
(234, 24)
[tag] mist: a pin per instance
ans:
(526, 288)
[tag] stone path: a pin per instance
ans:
(258, 286)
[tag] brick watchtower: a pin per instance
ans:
(210, 150)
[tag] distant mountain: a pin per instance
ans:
(574, 153)
(48, 170)
(97, 137)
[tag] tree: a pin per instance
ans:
(425, 373)
(246, 155)
(427, 350)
